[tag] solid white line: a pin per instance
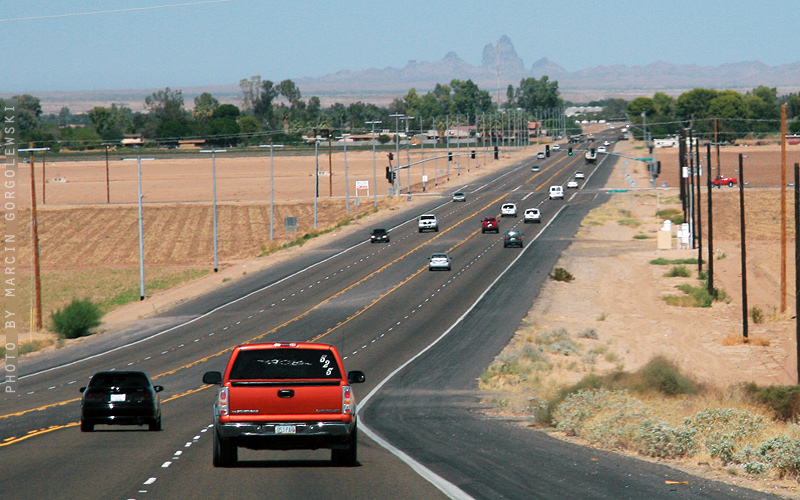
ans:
(446, 487)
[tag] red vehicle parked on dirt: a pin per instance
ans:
(724, 181)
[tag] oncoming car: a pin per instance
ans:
(508, 210)
(556, 147)
(532, 215)
(428, 222)
(540, 156)
(459, 197)
(379, 235)
(580, 175)
(439, 261)
(535, 168)
(120, 397)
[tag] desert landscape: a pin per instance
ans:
(89, 249)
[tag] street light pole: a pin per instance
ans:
(408, 155)
(271, 187)
(214, 197)
(139, 161)
(374, 166)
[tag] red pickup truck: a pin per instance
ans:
(285, 396)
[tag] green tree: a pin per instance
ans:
(204, 106)
(166, 105)
(262, 107)
(732, 110)
(533, 94)
(111, 123)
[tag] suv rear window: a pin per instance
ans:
(285, 364)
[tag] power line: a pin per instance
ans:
(133, 9)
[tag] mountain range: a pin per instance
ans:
(500, 66)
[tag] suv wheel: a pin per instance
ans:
(349, 456)
(155, 425)
(86, 426)
(226, 454)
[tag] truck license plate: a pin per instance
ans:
(285, 429)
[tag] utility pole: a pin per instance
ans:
(783, 208)
(37, 276)
(710, 189)
(742, 242)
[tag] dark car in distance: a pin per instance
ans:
(379, 235)
(120, 397)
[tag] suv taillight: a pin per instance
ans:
(348, 400)
(222, 401)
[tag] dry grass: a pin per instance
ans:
(731, 340)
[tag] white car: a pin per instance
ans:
(556, 147)
(508, 210)
(573, 184)
(532, 215)
(540, 156)
(580, 175)
(535, 168)
(428, 222)
(601, 149)
(439, 261)
(556, 192)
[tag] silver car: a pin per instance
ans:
(439, 261)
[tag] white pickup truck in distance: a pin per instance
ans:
(428, 222)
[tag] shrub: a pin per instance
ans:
(783, 454)
(561, 274)
(76, 319)
(757, 315)
(663, 376)
(678, 271)
(666, 213)
(782, 400)
(666, 262)
(589, 333)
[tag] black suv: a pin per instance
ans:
(120, 397)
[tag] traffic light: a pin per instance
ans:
(592, 152)
(389, 174)
(473, 154)
(497, 152)
(547, 150)
(391, 156)
(569, 152)
(449, 156)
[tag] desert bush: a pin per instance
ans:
(695, 296)
(678, 271)
(666, 262)
(663, 376)
(782, 400)
(557, 341)
(76, 319)
(589, 333)
(561, 274)
(666, 213)
(783, 454)
(659, 440)
(757, 315)
(642, 237)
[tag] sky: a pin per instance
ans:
(61, 45)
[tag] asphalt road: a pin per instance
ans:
(381, 307)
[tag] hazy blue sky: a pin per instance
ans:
(221, 42)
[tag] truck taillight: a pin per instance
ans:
(222, 401)
(348, 400)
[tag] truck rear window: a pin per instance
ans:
(285, 364)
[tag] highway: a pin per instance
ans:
(421, 337)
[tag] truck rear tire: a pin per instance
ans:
(349, 456)
(226, 454)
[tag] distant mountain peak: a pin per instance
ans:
(502, 58)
